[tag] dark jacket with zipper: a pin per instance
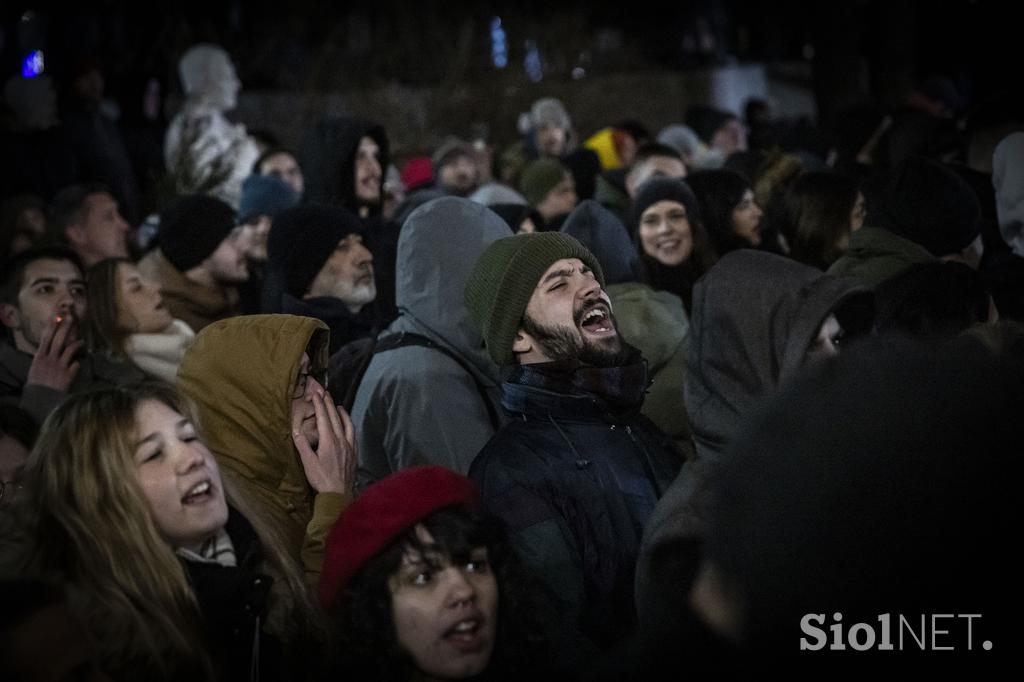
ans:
(232, 600)
(574, 478)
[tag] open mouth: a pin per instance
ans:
(597, 320)
(466, 635)
(199, 493)
(668, 244)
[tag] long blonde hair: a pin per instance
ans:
(91, 526)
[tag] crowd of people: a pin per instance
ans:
(598, 407)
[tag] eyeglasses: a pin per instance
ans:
(14, 486)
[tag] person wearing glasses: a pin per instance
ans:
(258, 382)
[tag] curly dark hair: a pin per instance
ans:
(366, 643)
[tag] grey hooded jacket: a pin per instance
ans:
(414, 404)
(755, 317)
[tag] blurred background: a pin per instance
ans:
(431, 68)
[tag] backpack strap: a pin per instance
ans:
(393, 341)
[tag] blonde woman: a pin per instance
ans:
(129, 320)
(125, 505)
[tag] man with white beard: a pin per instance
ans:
(318, 265)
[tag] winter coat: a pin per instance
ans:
(333, 312)
(233, 601)
(610, 192)
(755, 317)
(574, 480)
(196, 305)
(241, 373)
(876, 254)
(653, 321)
(414, 404)
(95, 370)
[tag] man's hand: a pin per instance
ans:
(331, 468)
(53, 365)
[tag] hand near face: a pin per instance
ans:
(331, 466)
(53, 365)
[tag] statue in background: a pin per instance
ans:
(206, 153)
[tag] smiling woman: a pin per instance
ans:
(126, 506)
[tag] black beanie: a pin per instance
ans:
(301, 240)
(662, 189)
(192, 228)
(931, 205)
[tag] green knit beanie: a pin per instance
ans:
(539, 178)
(504, 278)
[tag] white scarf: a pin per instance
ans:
(160, 354)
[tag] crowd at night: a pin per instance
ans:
(497, 342)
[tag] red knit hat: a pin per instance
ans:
(382, 513)
(418, 171)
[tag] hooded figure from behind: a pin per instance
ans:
(882, 482)
(653, 321)
(241, 374)
(757, 320)
(415, 405)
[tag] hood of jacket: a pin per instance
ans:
(653, 321)
(606, 237)
(438, 246)
(328, 160)
(876, 254)
(755, 316)
(1008, 181)
(240, 373)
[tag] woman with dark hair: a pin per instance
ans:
(128, 320)
(421, 585)
(125, 504)
(819, 212)
(670, 237)
(731, 216)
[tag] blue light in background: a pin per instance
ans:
(499, 47)
(532, 62)
(33, 65)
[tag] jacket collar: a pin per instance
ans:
(572, 390)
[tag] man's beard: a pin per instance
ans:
(561, 343)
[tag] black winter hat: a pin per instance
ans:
(192, 228)
(931, 205)
(663, 189)
(301, 240)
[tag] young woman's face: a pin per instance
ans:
(140, 306)
(178, 476)
(746, 219)
(445, 615)
(665, 232)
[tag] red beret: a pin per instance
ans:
(382, 513)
